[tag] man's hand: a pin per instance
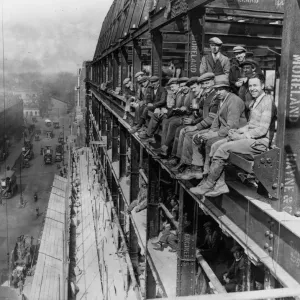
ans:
(189, 129)
(235, 136)
(183, 108)
(239, 83)
(150, 105)
(197, 139)
(187, 121)
(209, 135)
(156, 111)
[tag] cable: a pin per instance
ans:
(4, 123)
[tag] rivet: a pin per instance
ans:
(297, 214)
(274, 186)
(269, 160)
(266, 245)
(267, 233)
(262, 160)
(271, 236)
(270, 249)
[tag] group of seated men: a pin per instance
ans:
(204, 119)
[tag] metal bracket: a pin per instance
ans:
(266, 169)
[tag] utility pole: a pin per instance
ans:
(21, 194)
(63, 157)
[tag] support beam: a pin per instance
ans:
(109, 129)
(134, 170)
(123, 151)
(252, 295)
(289, 110)
(157, 49)
(115, 138)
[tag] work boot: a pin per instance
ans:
(151, 140)
(184, 171)
(206, 167)
(143, 135)
(135, 128)
(159, 247)
(192, 172)
(220, 187)
(171, 162)
(179, 167)
(215, 172)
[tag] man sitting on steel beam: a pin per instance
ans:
(160, 100)
(147, 97)
(233, 278)
(230, 115)
(173, 108)
(215, 62)
(138, 95)
(207, 107)
(176, 117)
(252, 139)
(128, 93)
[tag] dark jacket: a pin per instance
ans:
(231, 115)
(236, 271)
(234, 74)
(221, 66)
(160, 99)
(148, 94)
(211, 242)
(208, 109)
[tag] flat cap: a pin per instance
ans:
(221, 80)
(215, 40)
(126, 80)
(183, 79)
(206, 76)
(238, 49)
(192, 80)
(173, 80)
(154, 78)
(140, 73)
(251, 62)
(143, 79)
(207, 224)
(236, 248)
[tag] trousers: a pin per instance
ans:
(169, 127)
(178, 140)
(154, 123)
(244, 146)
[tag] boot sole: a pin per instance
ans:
(189, 177)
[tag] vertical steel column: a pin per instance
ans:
(109, 129)
(269, 281)
(289, 110)
(186, 260)
(115, 194)
(115, 139)
(124, 63)
(99, 123)
(134, 170)
(157, 49)
(121, 215)
(153, 199)
(109, 178)
(123, 150)
(196, 40)
(103, 122)
(137, 65)
(133, 246)
(150, 283)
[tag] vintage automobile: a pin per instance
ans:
(8, 184)
(48, 123)
(56, 125)
(36, 137)
(27, 153)
(48, 156)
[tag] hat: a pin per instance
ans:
(139, 74)
(207, 224)
(126, 80)
(221, 80)
(173, 80)
(236, 248)
(215, 40)
(143, 79)
(191, 81)
(183, 79)
(205, 77)
(238, 49)
(251, 62)
(154, 78)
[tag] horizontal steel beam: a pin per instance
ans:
(252, 295)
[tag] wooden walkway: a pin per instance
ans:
(48, 282)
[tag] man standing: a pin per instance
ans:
(235, 75)
(252, 139)
(215, 62)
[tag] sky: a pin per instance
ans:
(50, 36)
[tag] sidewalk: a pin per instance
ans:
(14, 153)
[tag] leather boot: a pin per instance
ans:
(220, 187)
(216, 169)
(206, 166)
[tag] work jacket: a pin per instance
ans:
(218, 67)
(231, 115)
(160, 98)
